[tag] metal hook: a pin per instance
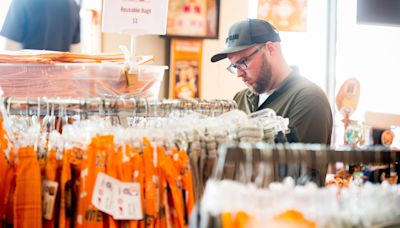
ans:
(80, 106)
(134, 107)
(146, 108)
(38, 108)
(116, 109)
(8, 100)
(85, 111)
(60, 113)
(52, 117)
(47, 107)
(27, 107)
(100, 108)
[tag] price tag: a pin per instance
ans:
(128, 205)
(49, 195)
(135, 16)
(102, 197)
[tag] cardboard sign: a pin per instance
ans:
(135, 16)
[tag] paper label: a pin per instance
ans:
(128, 205)
(49, 195)
(102, 197)
(119, 199)
(135, 16)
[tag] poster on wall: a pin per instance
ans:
(284, 15)
(193, 18)
(185, 68)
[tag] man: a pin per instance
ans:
(43, 25)
(254, 50)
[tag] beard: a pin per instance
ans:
(263, 78)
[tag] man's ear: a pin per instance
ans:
(270, 47)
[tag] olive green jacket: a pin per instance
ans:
(302, 102)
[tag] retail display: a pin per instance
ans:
(287, 205)
(33, 74)
(250, 174)
(264, 163)
(63, 165)
(137, 162)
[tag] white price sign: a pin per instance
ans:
(135, 16)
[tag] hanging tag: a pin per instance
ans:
(127, 202)
(49, 195)
(131, 77)
(102, 197)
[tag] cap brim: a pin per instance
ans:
(223, 54)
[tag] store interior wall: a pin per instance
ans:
(217, 82)
(356, 56)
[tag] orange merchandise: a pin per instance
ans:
(76, 159)
(51, 175)
(227, 220)
(175, 185)
(3, 137)
(161, 221)
(27, 186)
(87, 215)
(28, 210)
(132, 171)
(3, 166)
(65, 191)
(293, 218)
(242, 219)
(7, 201)
(237, 220)
(113, 169)
(3, 174)
(137, 176)
(150, 187)
(187, 178)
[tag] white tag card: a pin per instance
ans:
(135, 16)
(49, 194)
(128, 205)
(102, 197)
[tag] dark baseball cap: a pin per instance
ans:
(247, 33)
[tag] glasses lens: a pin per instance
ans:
(232, 68)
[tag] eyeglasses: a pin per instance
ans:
(243, 63)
